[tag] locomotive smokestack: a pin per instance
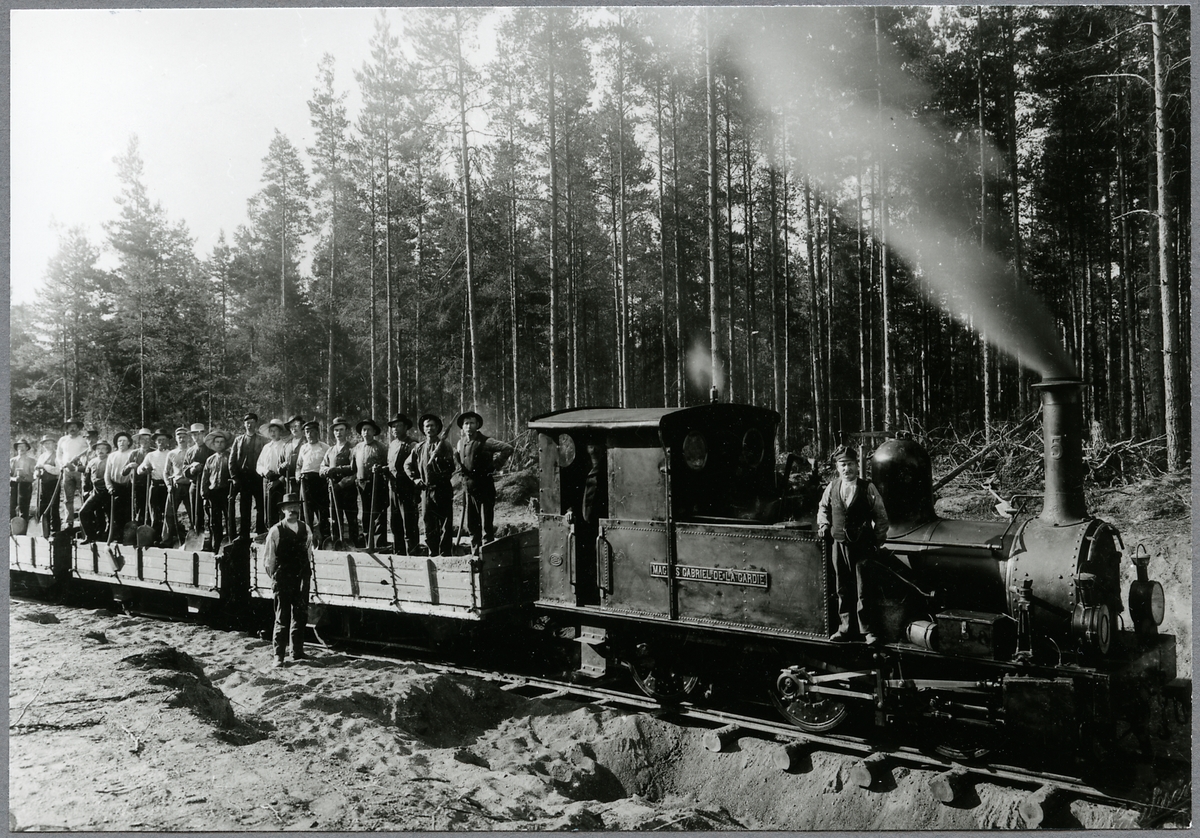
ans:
(1062, 428)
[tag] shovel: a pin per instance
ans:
(18, 524)
(49, 517)
(168, 535)
(129, 533)
(332, 543)
(145, 533)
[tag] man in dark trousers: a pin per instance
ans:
(288, 558)
(93, 515)
(20, 479)
(338, 471)
(430, 465)
(313, 488)
(370, 464)
(852, 515)
(476, 457)
(406, 534)
(215, 481)
(246, 485)
(197, 455)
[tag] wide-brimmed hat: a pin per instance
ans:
(296, 418)
(208, 439)
(49, 439)
(250, 415)
(278, 423)
(120, 434)
(433, 416)
(74, 420)
(199, 426)
(462, 417)
(144, 432)
(22, 441)
(103, 442)
(290, 499)
(398, 418)
(339, 420)
(368, 421)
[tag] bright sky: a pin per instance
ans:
(203, 89)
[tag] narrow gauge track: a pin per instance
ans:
(1047, 790)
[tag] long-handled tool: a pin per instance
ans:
(167, 533)
(145, 532)
(129, 533)
(35, 518)
(373, 519)
(18, 523)
(51, 507)
(340, 542)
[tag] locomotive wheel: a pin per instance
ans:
(810, 712)
(815, 714)
(663, 683)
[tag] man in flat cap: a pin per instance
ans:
(337, 467)
(406, 534)
(288, 559)
(70, 454)
(476, 458)
(314, 495)
(370, 465)
(852, 514)
(20, 479)
(430, 466)
(292, 440)
(216, 479)
(197, 455)
(144, 440)
(179, 487)
(246, 485)
(97, 503)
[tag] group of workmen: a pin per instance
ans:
(232, 488)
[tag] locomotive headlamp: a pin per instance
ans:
(1093, 625)
(1147, 602)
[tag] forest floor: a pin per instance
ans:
(122, 722)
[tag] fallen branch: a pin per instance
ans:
(32, 700)
(32, 726)
(136, 747)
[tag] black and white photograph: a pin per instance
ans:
(591, 418)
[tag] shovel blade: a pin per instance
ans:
(17, 525)
(145, 536)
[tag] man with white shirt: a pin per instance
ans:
(72, 446)
(154, 468)
(119, 481)
(271, 463)
(313, 493)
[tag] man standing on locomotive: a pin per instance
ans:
(288, 558)
(852, 514)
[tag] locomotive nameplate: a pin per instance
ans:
(721, 575)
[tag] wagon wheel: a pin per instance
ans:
(659, 680)
(811, 712)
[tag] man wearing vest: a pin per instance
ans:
(851, 513)
(430, 465)
(197, 455)
(215, 481)
(338, 472)
(406, 534)
(476, 457)
(288, 557)
(370, 463)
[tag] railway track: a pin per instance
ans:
(1047, 792)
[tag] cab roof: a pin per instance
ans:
(608, 418)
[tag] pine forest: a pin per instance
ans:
(869, 219)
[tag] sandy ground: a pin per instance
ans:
(130, 723)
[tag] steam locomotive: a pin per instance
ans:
(669, 547)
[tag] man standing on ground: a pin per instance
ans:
(288, 557)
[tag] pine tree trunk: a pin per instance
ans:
(467, 219)
(680, 351)
(885, 279)
(984, 347)
(553, 153)
(622, 221)
(1173, 402)
(773, 276)
(662, 240)
(814, 330)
